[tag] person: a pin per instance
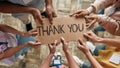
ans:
(102, 53)
(108, 41)
(110, 21)
(14, 43)
(21, 8)
(52, 48)
(84, 48)
(71, 61)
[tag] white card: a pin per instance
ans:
(56, 61)
(115, 58)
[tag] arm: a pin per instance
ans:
(52, 48)
(71, 61)
(5, 7)
(94, 8)
(11, 51)
(9, 29)
(46, 63)
(50, 10)
(100, 4)
(109, 24)
(85, 50)
(69, 57)
(112, 42)
(48, 2)
(92, 60)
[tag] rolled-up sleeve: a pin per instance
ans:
(100, 4)
(111, 25)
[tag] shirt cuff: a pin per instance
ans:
(102, 19)
(91, 9)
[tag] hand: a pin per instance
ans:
(33, 44)
(92, 37)
(51, 12)
(90, 20)
(52, 47)
(37, 15)
(80, 13)
(65, 47)
(32, 32)
(82, 46)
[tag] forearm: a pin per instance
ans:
(109, 24)
(71, 61)
(98, 5)
(11, 51)
(92, 60)
(48, 2)
(9, 29)
(7, 7)
(47, 61)
(110, 42)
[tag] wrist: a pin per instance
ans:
(87, 53)
(100, 40)
(22, 33)
(25, 44)
(91, 9)
(32, 10)
(67, 52)
(51, 54)
(49, 6)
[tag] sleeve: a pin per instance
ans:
(109, 24)
(100, 4)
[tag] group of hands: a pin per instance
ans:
(82, 46)
(90, 20)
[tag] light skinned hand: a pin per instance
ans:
(33, 44)
(51, 13)
(37, 15)
(80, 13)
(52, 47)
(32, 32)
(82, 46)
(92, 37)
(91, 20)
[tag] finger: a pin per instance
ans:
(51, 18)
(50, 46)
(37, 46)
(33, 30)
(54, 14)
(94, 21)
(55, 43)
(43, 16)
(38, 43)
(90, 17)
(87, 35)
(79, 15)
(63, 41)
(75, 13)
(34, 33)
(80, 42)
(39, 20)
